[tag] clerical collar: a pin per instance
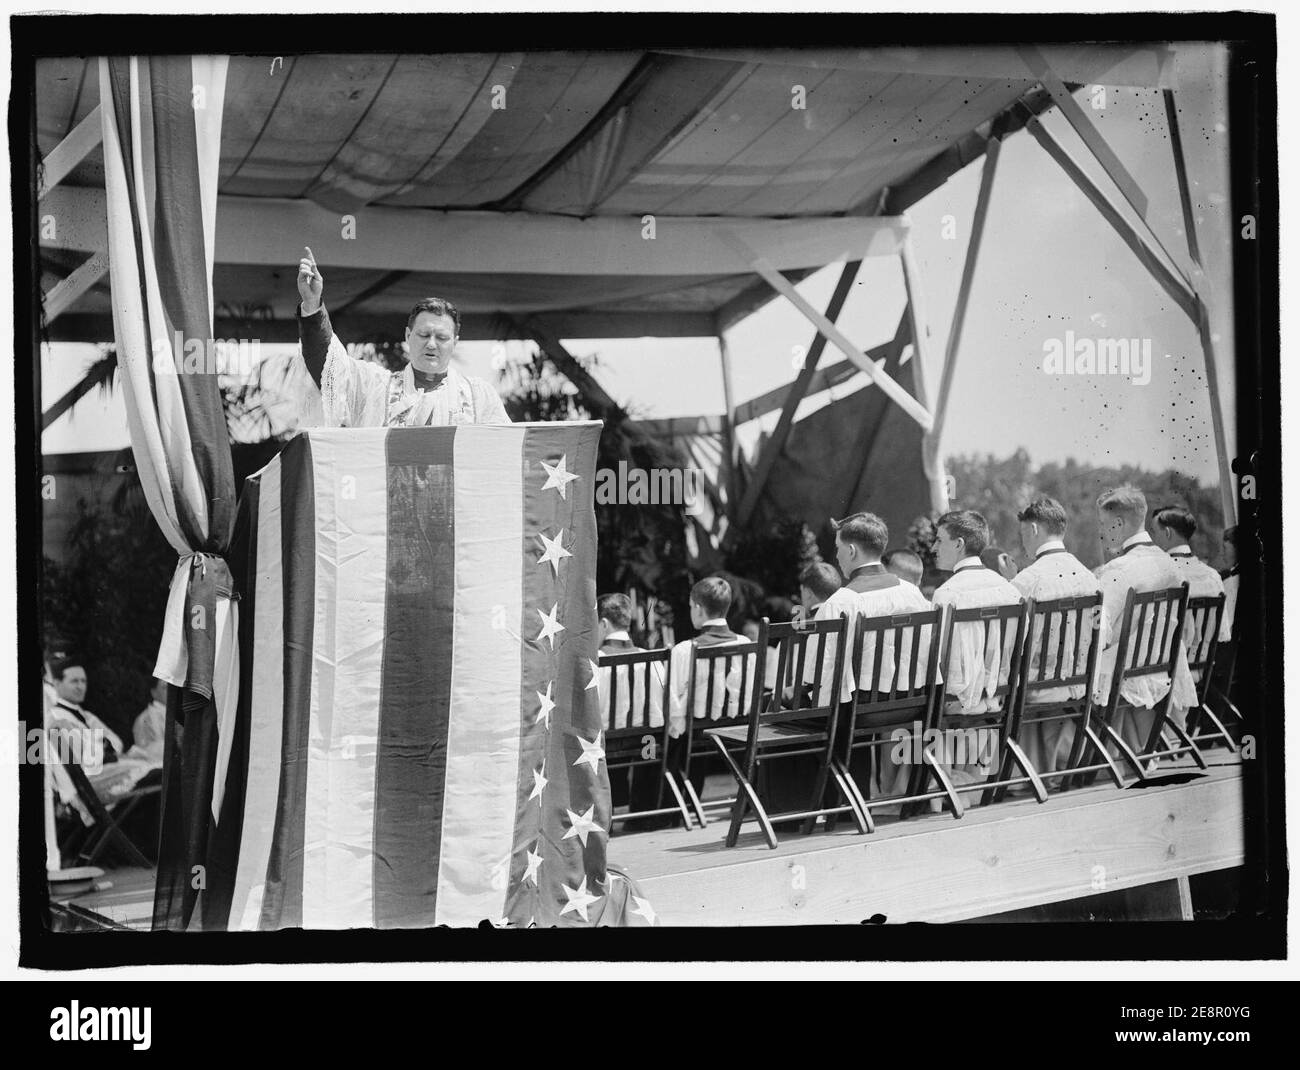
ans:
(614, 636)
(1051, 546)
(874, 568)
(428, 381)
(966, 564)
(1142, 538)
(1181, 551)
(811, 611)
(716, 622)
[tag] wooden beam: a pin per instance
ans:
(1172, 283)
(598, 400)
(97, 373)
(933, 444)
(1227, 485)
(1098, 146)
(892, 390)
(731, 450)
(796, 393)
(69, 152)
(920, 330)
(1088, 134)
(823, 379)
(385, 281)
(388, 326)
(65, 292)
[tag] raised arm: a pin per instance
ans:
(314, 330)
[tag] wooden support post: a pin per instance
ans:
(774, 445)
(1227, 485)
(65, 292)
(96, 374)
(1095, 144)
(69, 152)
(892, 390)
(933, 444)
(729, 444)
(930, 463)
(1173, 283)
(603, 406)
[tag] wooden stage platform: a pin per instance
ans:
(1010, 857)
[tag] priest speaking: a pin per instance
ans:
(357, 393)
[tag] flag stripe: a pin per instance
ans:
(351, 520)
(416, 698)
(266, 701)
(483, 731)
(282, 901)
(183, 275)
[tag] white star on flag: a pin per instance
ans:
(550, 626)
(557, 476)
(591, 753)
(579, 899)
(582, 824)
(592, 682)
(644, 909)
(539, 782)
(555, 552)
(534, 861)
(548, 704)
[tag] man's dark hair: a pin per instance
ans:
(439, 306)
(615, 608)
(992, 557)
(865, 530)
(902, 557)
(968, 525)
(60, 666)
(820, 577)
(1230, 535)
(1176, 518)
(713, 595)
(1047, 513)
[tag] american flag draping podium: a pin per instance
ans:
(419, 739)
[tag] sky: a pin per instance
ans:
(1049, 264)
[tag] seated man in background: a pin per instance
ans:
(817, 582)
(871, 591)
(905, 564)
(975, 668)
(148, 733)
(637, 786)
(1055, 573)
(1135, 562)
(1172, 529)
(710, 600)
(100, 748)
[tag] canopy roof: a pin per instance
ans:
(519, 184)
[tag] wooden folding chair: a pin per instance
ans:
(1004, 628)
(107, 818)
(707, 686)
(1062, 644)
(806, 727)
(1204, 616)
(908, 645)
(1150, 637)
(640, 679)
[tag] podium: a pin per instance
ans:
(419, 739)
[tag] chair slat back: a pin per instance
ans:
(904, 663)
(728, 677)
(1150, 632)
(1063, 643)
(633, 686)
(1201, 631)
(1002, 633)
(816, 650)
